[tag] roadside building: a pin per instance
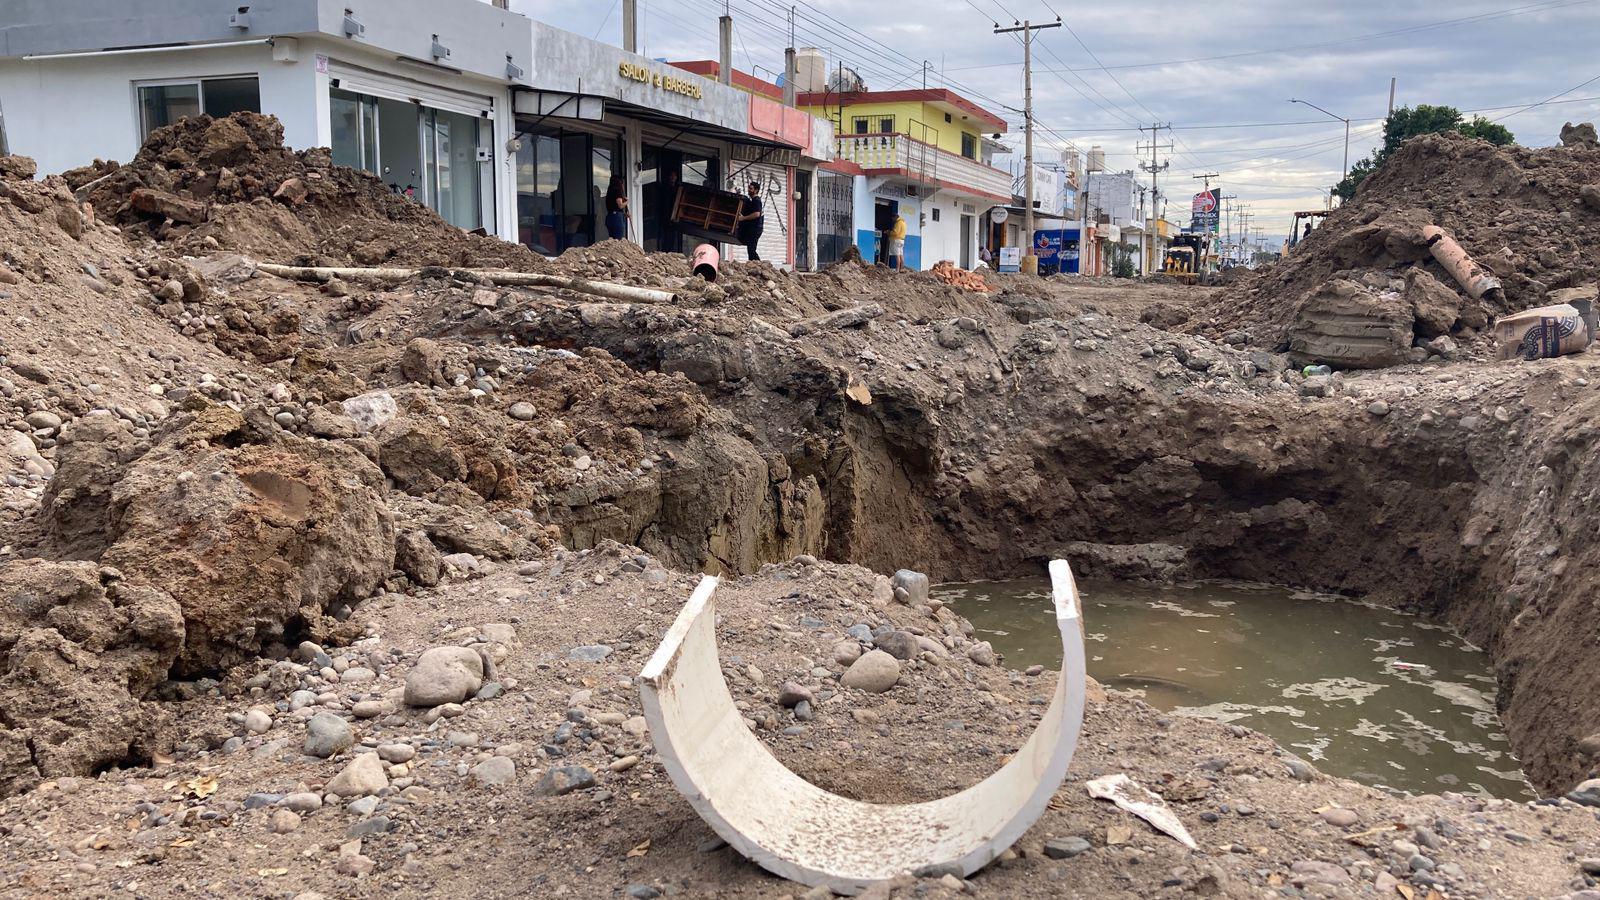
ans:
(920, 155)
(415, 91)
(495, 121)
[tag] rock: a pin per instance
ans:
(1590, 866)
(1580, 135)
(257, 721)
(792, 694)
(418, 558)
(898, 644)
(846, 652)
(367, 709)
(499, 632)
(17, 168)
(1308, 871)
(1586, 793)
(983, 654)
(1340, 818)
(589, 653)
(361, 777)
(43, 419)
(1128, 562)
(1317, 386)
(292, 192)
(1436, 305)
(522, 411)
(1589, 746)
(325, 423)
(354, 865)
(915, 585)
(1378, 408)
(371, 410)
(396, 753)
(1589, 195)
(1348, 325)
(1301, 770)
(564, 780)
(327, 734)
(1444, 345)
(423, 361)
(283, 821)
(643, 892)
(496, 770)
(1065, 848)
(875, 672)
(363, 807)
(444, 675)
(162, 204)
(302, 802)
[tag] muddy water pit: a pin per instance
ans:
(1361, 691)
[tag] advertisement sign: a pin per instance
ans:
(1204, 210)
(1057, 249)
(1010, 259)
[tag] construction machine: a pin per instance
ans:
(1186, 258)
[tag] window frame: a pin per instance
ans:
(860, 125)
(199, 81)
(884, 121)
(966, 137)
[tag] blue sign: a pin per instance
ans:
(1057, 249)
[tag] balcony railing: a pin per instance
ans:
(923, 162)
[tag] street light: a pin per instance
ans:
(1346, 131)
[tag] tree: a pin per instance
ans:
(1408, 122)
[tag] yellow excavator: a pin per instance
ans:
(1186, 258)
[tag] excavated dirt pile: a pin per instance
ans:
(1362, 290)
(241, 513)
(205, 183)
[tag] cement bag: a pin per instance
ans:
(1542, 333)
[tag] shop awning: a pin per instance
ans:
(681, 125)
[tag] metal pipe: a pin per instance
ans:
(1473, 278)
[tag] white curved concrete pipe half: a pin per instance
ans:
(806, 834)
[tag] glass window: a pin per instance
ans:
(886, 125)
(969, 146)
(859, 125)
(161, 105)
(345, 113)
(226, 96)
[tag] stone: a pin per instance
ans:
(396, 753)
(1309, 871)
(643, 892)
(444, 675)
(1348, 325)
(1589, 195)
(363, 807)
(983, 654)
(361, 777)
(1301, 770)
(1580, 135)
(292, 192)
(1435, 304)
(1590, 866)
(915, 584)
(499, 632)
(898, 644)
(792, 694)
(1378, 408)
(563, 780)
(494, 771)
(283, 821)
(589, 653)
(368, 411)
(302, 801)
(522, 411)
(354, 866)
(367, 709)
(1589, 746)
(1340, 818)
(1316, 386)
(43, 419)
(327, 734)
(1065, 848)
(1587, 793)
(257, 721)
(418, 558)
(846, 652)
(875, 672)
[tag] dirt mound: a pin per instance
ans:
(204, 183)
(1517, 210)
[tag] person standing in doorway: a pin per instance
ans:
(897, 243)
(617, 209)
(751, 221)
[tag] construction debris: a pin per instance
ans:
(948, 272)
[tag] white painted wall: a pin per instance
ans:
(68, 112)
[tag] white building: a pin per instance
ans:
(493, 120)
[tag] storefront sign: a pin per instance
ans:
(772, 156)
(1203, 211)
(684, 86)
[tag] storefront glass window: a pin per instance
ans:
(429, 155)
(562, 177)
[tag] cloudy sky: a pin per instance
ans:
(1203, 67)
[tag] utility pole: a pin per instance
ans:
(630, 25)
(1207, 179)
(1028, 28)
(1391, 95)
(1155, 193)
(725, 54)
(791, 69)
(1227, 218)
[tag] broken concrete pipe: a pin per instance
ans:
(1474, 279)
(706, 262)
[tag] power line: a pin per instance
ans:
(1545, 6)
(1549, 99)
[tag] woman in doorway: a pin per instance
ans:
(617, 209)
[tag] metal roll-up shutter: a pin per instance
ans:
(392, 87)
(776, 190)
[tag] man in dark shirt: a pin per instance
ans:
(751, 221)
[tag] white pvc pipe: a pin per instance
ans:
(130, 51)
(806, 834)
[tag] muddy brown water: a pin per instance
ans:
(1361, 691)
